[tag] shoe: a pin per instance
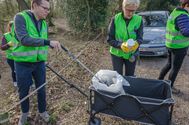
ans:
(15, 84)
(175, 91)
(23, 119)
(45, 116)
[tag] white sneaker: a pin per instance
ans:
(15, 84)
(45, 116)
(23, 119)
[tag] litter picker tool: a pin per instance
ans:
(77, 60)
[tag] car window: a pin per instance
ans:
(155, 20)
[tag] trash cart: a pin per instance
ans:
(147, 101)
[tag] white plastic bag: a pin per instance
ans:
(109, 81)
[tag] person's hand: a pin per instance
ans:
(55, 45)
(11, 44)
(125, 48)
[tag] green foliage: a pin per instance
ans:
(98, 13)
(158, 5)
(8, 8)
(85, 15)
(76, 14)
(26, 123)
(66, 106)
(4, 118)
(94, 15)
(52, 119)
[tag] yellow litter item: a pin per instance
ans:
(125, 48)
(129, 46)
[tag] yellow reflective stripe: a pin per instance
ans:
(178, 41)
(30, 53)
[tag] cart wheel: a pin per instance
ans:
(95, 121)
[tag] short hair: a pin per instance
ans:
(135, 3)
(38, 2)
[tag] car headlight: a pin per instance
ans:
(159, 40)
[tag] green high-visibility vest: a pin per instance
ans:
(29, 53)
(174, 38)
(8, 36)
(124, 32)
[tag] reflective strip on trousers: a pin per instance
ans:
(178, 41)
(30, 53)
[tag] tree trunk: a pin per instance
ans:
(49, 18)
(7, 7)
(22, 5)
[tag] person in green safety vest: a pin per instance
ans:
(31, 53)
(177, 42)
(124, 36)
(7, 45)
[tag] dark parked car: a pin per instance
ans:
(154, 33)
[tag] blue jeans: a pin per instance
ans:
(11, 64)
(24, 73)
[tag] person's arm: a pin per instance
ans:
(139, 33)
(23, 36)
(182, 24)
(4, 45)
(111, 36)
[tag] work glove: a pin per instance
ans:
(11, 44)
(125, 47)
